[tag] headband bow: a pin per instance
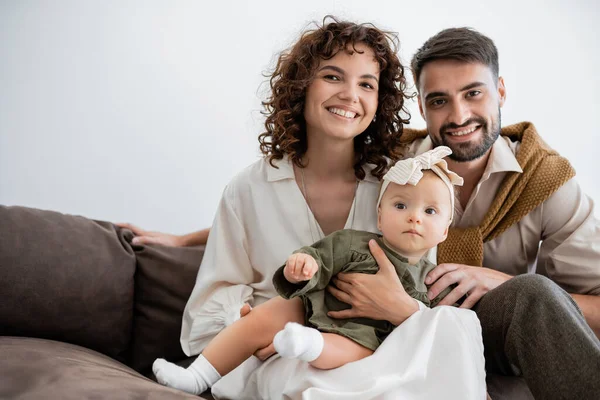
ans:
(410, 171)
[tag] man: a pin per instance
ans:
(531, 327)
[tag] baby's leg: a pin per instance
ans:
(236, 343)
(338, 350)
(232, 346)
(321, 350)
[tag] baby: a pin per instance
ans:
(415, 209)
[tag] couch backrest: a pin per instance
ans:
(75, 280)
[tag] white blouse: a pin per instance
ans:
(261, 219)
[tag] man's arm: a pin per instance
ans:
(570, 250)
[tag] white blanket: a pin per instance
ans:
(435, 354)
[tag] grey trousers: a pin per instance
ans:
(534, 329)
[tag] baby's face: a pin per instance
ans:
(414, 219)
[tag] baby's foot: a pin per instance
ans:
(176, 377)
(298, 341)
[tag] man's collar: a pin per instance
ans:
(285, 170)
(502, 158)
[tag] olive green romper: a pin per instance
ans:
(348, 251)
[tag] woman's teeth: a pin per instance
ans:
(343, 113)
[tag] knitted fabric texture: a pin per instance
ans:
(544, 172)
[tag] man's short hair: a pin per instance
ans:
(460, 44)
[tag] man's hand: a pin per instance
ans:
(300, 267)
(265, 352)
(473, 282)
(379, 296)
(148, 237)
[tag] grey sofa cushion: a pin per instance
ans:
(66, 278)
(164, 280)
(43, 369)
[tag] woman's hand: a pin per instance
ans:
(265, 352)
(165, 239)
(148, 237)
(379, 296)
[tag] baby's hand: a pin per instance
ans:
(299, 268)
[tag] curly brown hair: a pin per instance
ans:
(295, 70)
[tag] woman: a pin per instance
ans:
(332, 128)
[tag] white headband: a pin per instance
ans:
(410, 171)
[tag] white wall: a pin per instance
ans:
(142, 111)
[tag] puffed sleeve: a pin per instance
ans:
(570, 249)
(222, 285)
(331, 253)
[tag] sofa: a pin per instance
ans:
(84, 312)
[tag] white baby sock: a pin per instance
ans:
(195, 379)
(299, 341)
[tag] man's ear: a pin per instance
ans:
(501, 91)
(420, 106)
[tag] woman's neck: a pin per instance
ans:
(328, 161)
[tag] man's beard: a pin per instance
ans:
(469, 151)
